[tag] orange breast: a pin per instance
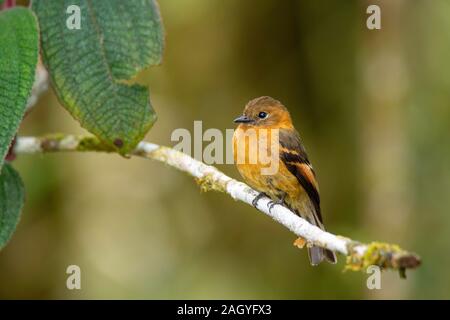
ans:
(246, 147)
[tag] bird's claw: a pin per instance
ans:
(257, 198)
(279, 201)
(272, 204)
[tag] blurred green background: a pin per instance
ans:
(373, 110)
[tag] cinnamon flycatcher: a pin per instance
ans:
(294, 182)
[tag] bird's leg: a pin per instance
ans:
(280, 201)
(257, 198)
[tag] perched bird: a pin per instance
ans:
(294, 183)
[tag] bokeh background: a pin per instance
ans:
(373, 110)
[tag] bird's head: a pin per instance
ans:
(265, 112)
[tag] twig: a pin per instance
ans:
(39, 87)
(359, 255)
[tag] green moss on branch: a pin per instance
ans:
(62, 142)
(381, 254)
(93, 144)
(208, 183)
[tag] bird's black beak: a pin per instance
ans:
(243, 119)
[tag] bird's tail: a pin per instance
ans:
(317, 254)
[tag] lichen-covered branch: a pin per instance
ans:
(359, 255)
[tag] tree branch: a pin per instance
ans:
(40, 85)
(359, 255)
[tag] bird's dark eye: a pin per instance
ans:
(262, 115)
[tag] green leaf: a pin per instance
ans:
(12, 197)
(116, 40)
(18, 58)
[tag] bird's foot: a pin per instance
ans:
(257, 198)
(300, 242)
(271, 204)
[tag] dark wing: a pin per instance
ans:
(294, 157)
